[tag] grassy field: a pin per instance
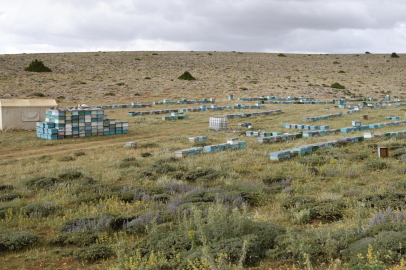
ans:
(90, 203)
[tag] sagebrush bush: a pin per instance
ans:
(325, 210)
(40, 209)
(296, 201)
(387, 247)
(70, 176)
(80, 239)
(66, 158)
(7, 197)
(94, 253)
(11, 241)
(41, 182)
(202, 174)
(375, 165)
(6, 187)
(383, 200)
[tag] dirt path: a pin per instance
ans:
(58, 149)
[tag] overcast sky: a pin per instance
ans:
(296, 26)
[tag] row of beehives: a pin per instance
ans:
(60, 124)
(351, 111)
(232, 143)
(305, 127)
(265, 137)
(175, 116)
(301, 102)
(132, 105)
(356, 126)
(309, 148)
(184, 101)
(252, 114)
(323, 117)
(201, 109)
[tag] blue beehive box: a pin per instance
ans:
(307, 134)
(242, 144)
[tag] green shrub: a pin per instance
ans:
(81, 239)
(6, 187)
(383, 200)
(110, 94)
(297, 201)
(41, 182)
(186, 76)
(281, 55)
(367, 53)
(201, 144)
(244, 88)
(38, 94)
(79, 153)
(94, 253)
(360, 156)
(341, 71)
(394, 55)
(66, 158)
(40, 209)
(70, 175)
(375, 165)
(11, 241)
(161, 168)
(313, 160)
(325, 210)
(37, 66)
(6, 209)
(381, 243)
(7, 197)
(146, 154)
(260, 236)
(202, 174)
(99, 223)
(273, 179)
(337, 86)
(147, 78)
(128, 162)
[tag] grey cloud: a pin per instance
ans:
(245, 25)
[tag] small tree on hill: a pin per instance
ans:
(394, 55)
(37, 66)
(186, 76)
(337, 86)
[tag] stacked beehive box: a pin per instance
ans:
(60, 124)
(198, 139)
(175, 116)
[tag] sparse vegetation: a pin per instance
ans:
(107, 207)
